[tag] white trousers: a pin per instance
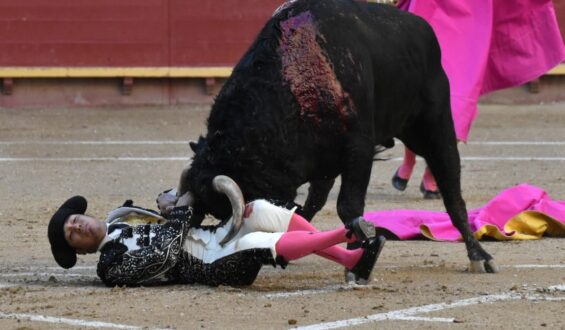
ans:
(263, 225)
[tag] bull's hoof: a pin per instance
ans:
(481, 266)
(477, 266)
(491, 266)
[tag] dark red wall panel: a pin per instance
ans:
(133, 33)
(560, 12)
(83, 33)
(215, 32)
(129, 32)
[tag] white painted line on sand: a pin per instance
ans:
(560, 287)
(517, 143)
(329, 289)
(404, 313)
(501, 266)
(61, 320)
(185, 142)
(535, 266)
(300, 293)
(32, 268)
(496, 159)
(93, 142)
(516, 159)
(159, 159)
(32, 271)
(410, 314)
(6, 285)
(346, 287)
(75, 267)
(90, 159)
(507, 143)
(17, 274)
(425, 319)
(543, 298)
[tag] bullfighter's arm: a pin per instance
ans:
(148, 265)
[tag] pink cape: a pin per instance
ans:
(529, 208)
(489, 45)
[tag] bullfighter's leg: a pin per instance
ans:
(428, 186)
(404, 171)
(317, 197)
(297, 244)
(263, 216)
(433, 137)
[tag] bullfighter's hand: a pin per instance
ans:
(166, 202)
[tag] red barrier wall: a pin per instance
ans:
(560, 13)
(108, 33)
(42, 35)
(137, 33)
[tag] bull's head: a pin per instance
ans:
(224, 185)
(194, 190)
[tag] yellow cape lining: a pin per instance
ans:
(527, 225)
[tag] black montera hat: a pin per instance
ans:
(64, 254)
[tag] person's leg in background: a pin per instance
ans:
(428, 186)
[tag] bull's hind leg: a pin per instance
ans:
(433, 137)
(439, 148)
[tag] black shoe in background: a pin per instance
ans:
(399, 183)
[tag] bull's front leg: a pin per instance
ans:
(446, 169)
(317, 197)
(355, 175)
(433, 137)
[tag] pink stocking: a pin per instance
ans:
(429, 180)
(297, 244)
(299, 223)
(405, 170)
(336, 253)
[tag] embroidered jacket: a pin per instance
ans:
(153, 254)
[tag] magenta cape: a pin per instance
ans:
(489, 45)
(519, 212)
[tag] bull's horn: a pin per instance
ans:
(226, 185)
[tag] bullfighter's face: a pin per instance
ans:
(84, 233)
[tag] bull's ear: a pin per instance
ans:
(193, 146)
(197, 145)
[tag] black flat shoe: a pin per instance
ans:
(364, 267)
(361, 228)
(399, 183)
(429, 194)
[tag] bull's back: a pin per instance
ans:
(353, 66)
(318, 71)
(382, 56)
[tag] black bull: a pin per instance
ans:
(323, 84)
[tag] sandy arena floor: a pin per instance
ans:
(110, 155)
